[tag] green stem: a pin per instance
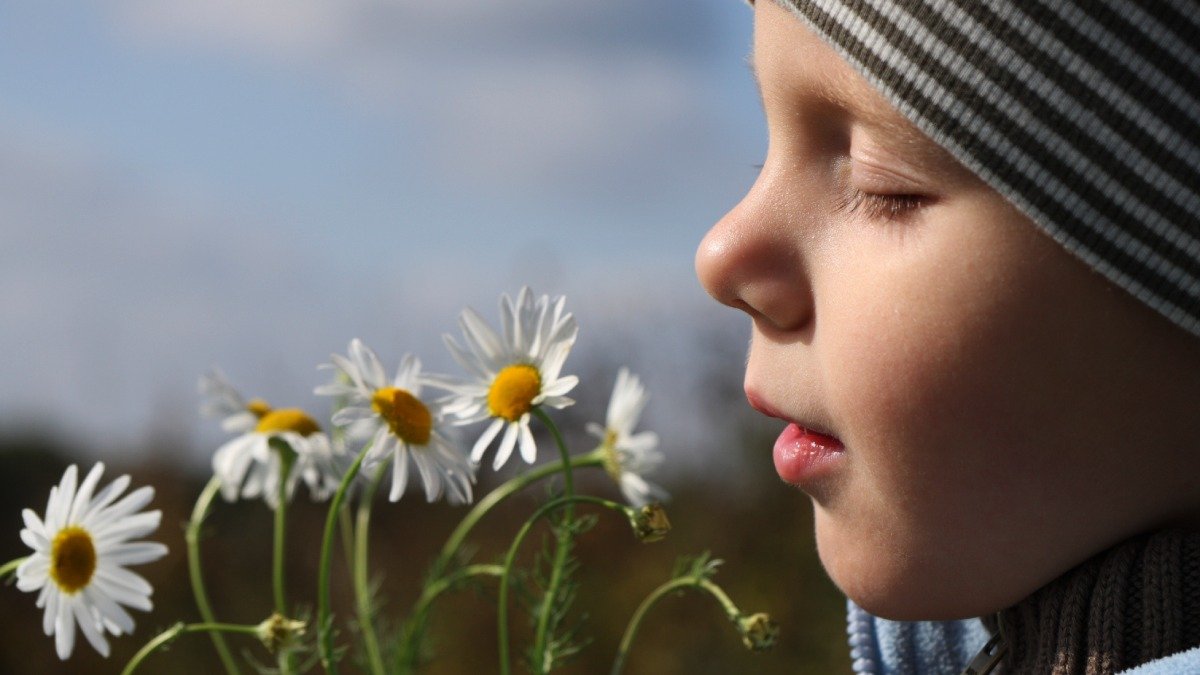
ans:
(510, 557)
(562, 546)
(483, 506)
(346, 530)
(286, 458)
(324, 622)
(178, 629)
(192, 537)
(362, 591)
(11, 566)
(635, 622)
(432, 591)
(408, 652)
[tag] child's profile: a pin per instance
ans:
(985, 347)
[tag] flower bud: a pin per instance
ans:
(650, 523)
(759, 632)
(279, 632)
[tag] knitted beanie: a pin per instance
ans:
(1085, 114)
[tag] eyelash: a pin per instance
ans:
(873, 205)
(879, 206)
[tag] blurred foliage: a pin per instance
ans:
(761, 529)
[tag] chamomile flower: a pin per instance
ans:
(80, 554)
(629, 457)
(250, 465)
(222, 400)
(512, 373)
(399, 424)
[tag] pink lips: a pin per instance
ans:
(801, 453)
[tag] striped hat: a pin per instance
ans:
(1083, 113)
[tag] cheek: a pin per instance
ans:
(924, 352)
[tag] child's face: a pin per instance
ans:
(1005, 413)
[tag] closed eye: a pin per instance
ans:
(879, 206)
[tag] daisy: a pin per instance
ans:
(249, 466)
(513, 373)
(80, 552)
(628, 457)
(398, 424)
(221, 400)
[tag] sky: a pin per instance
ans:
(219, 183)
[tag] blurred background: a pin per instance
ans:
(216, 183)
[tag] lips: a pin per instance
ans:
(801, 454)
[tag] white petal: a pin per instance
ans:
(64, 628)
(369, 364)
(431, 474)
(463, 358)
(506, 446)
(552, 363)
(512, 329)
(34, 523)
(480, 337)
(90, 626)
(528, 446)
(641, 443)
(230, 464)
(84, 495)
(109, 610)
(485, 440)
(135, 553)
(122, 595)
(132, 502)
(123, 583)
(50, 616)
(408, 375)
(561, 386)
(557, 402)
(350, 370)
(34, 540)
(351, 414)
(33, 573)
(106, 496)
(239, 422)
(399, 475)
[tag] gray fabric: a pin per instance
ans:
(1083, 113)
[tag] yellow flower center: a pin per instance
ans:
(287, 419)
(404, 413)
(612, 459)
(512, 392)
(258, 407)
(72, 559)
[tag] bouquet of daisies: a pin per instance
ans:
(383, 430)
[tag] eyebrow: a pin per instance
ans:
(863, 103)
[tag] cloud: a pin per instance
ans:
(119, 289)
(498, 96)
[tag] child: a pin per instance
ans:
(972, 265)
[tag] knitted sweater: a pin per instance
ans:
(1129, 610)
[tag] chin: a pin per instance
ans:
(892, 581)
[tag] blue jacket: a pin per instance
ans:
(882, 647)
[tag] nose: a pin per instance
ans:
(752, 260)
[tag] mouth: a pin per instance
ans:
(802, 454)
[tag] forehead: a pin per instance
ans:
(794, 67)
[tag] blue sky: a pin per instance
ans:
(215, 182)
